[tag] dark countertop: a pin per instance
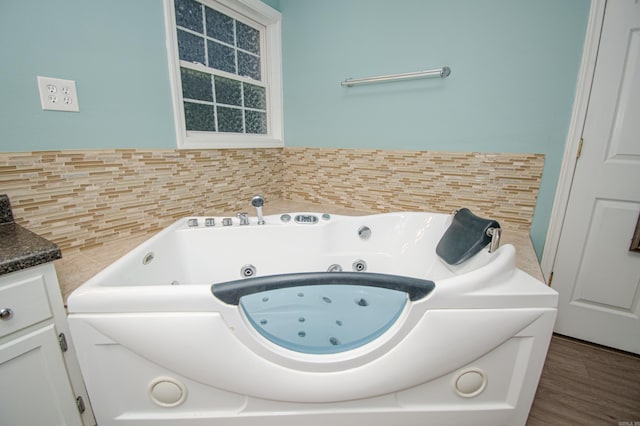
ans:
(19, 247)
(5, 209)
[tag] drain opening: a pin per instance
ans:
(334, 341)
(325, 299)
(301, 334)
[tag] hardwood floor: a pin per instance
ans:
(584, 384)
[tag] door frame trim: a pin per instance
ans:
(576, 126)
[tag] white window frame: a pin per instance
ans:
(271, 60)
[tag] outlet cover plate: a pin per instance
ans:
(57, 94)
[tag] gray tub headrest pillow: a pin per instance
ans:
(465, 237)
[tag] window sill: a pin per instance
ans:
(196, 141)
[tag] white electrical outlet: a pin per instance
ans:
(58, 94)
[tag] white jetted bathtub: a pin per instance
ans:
(311, 319)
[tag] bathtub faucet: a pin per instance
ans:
(257, 202)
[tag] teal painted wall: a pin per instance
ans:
(514, 72)
(514, 64)
(273, 3)
(114, 50)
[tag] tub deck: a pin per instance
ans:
(77, 267)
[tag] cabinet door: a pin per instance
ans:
(34, 387)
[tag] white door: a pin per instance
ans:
(596, 274)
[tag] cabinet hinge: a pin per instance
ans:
(580, 148)
(62, 340)
(80, 404)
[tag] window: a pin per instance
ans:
(225, 66)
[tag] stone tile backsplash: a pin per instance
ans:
(501, 186)
(83, 199)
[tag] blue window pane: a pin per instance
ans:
(219, 26)
(196, 85)
(221, 57)
(255, 96)
(248, 66)
(248, 38)
(199, 117)
(190, 47)
(189, 14)
(256, 122)
(230, 120)
(228, 91)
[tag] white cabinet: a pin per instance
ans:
(40, 380)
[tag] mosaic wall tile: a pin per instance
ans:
(83, 199)
(500, 186)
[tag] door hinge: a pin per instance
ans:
(80, 404)
(550, 280)
(580, 148)
(62, 340)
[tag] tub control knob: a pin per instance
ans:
(243, 218)
(6, 314)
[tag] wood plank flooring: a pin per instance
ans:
(584, 384)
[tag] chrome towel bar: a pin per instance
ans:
(441, 72)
